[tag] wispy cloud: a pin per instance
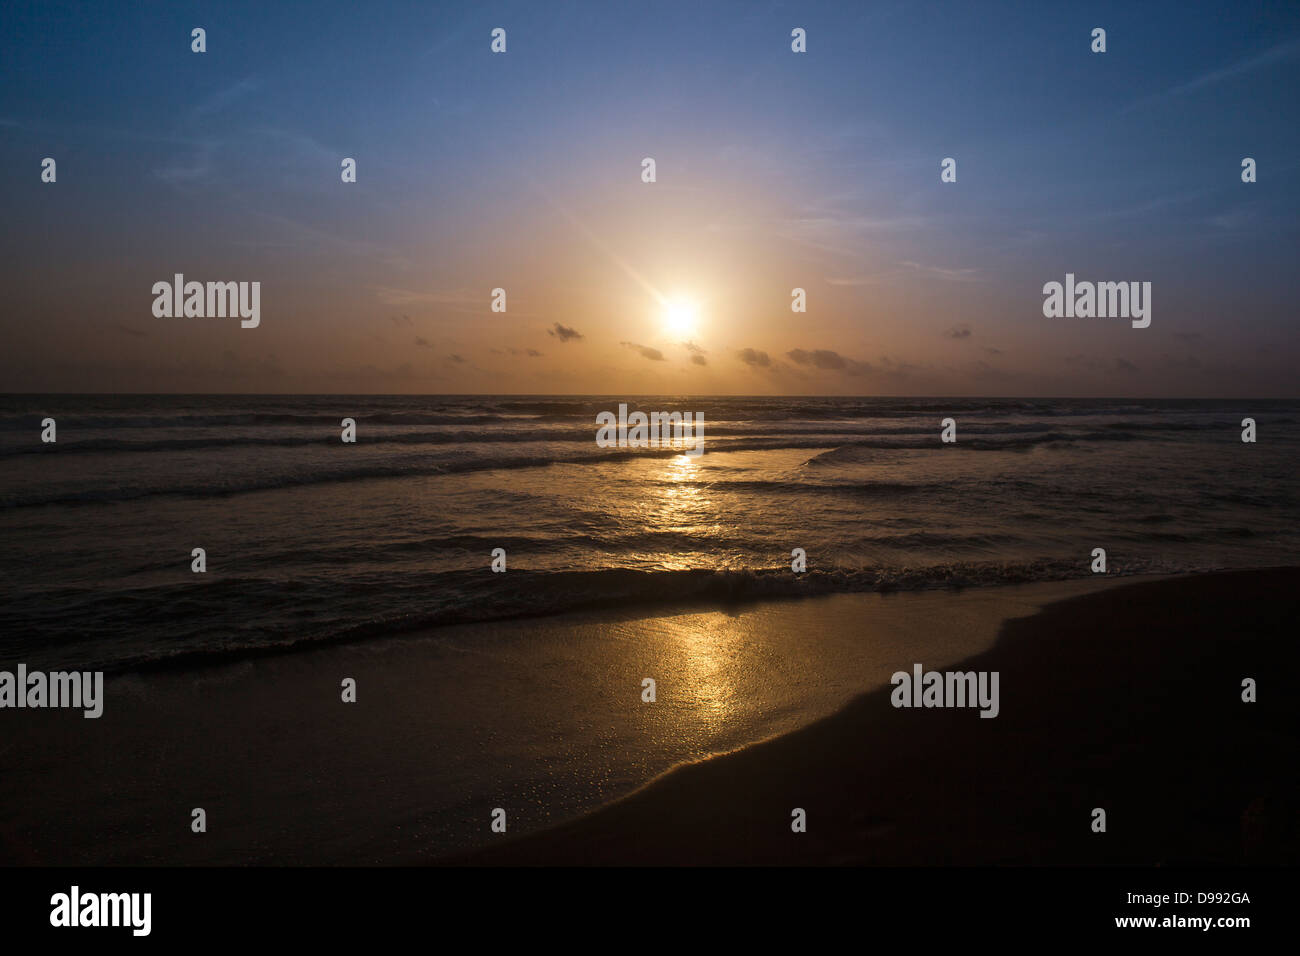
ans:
(197, 164)
(222, 98)
(645, 351)
(853, 280)
(195, 167)
(1279, 53)
(907, 268)
(1235, 220)
(462, 300)
(946, 275)
(834, 233)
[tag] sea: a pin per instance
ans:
(308, 539)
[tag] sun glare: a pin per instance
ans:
(679, 319)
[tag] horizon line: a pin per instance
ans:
(679, 395)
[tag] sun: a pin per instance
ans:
(679, 318)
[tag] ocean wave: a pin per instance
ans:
(327, 433)
(188, 615)
(328, 420)
(851, 452)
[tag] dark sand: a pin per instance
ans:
(1128, 699)
(542, 716)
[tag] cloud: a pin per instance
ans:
(1124, 365)
(992, 351)
(400, 319)
(646, 351)
(467, 300)
(138, 333)
(754, 358)
(197, 169)
(947, 275)
(836, 233)
(697, 353)
(200, 164)
(296, 150)
(905, 269)
(959, 332)
(1235, 220)
(819, 358)
(224, 97)
(564, 333)
(455, 358)
(828, 360)
(1279, 53)
(422, 342)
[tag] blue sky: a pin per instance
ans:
(774, 170)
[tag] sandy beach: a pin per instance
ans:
(542, 717)
(1128, 700)
(1126, 696)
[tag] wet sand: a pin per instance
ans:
(541, 717)
(1129, 700)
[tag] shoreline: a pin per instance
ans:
(728, 591)
(544, 717)
(1127, 699)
